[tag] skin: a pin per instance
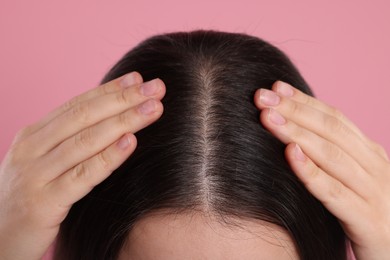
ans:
(340, 166)
(50, 163)
(58, 160)
(196, 235)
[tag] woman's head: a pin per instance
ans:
(207, 167)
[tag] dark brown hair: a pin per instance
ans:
(208, 151)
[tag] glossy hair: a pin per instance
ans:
(207, 152)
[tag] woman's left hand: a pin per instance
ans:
(339, 165)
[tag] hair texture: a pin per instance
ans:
(207, 152)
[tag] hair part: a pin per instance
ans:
(207, 152)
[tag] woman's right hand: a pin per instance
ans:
(58, 160)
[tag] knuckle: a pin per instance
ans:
(104, 89)
(380, 149)
(125, 119)
(104, 161)
(336, 191)
(22, 133)
(308, 100)
(80, 112)
(311, 179)
(123, 96)
(314, 172)
(297, 133)
(332, 124)
(332, 153)
(18, 149)
(108, 88)
(295, 108)
(79, 173)
(336, 113)
(84, 139)
(70, 103)
(16, 154)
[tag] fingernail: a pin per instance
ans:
(299, 154)
(269, 98)
(284, 89)
(124, 142)
(129, 80)
(275, 117)
(147, 107)
(150, 88)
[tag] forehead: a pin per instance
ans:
(199, 236)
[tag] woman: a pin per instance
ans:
(207, 180)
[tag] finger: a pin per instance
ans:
(80, 180)
(328, 156)
(380, 150)
(115, 85)
(334, 195)
(326, 126)
(92, 140)
(90, 112)
(286, 89)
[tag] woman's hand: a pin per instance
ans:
(339, 165)
(58, 160)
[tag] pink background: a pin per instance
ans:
(53, 50)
